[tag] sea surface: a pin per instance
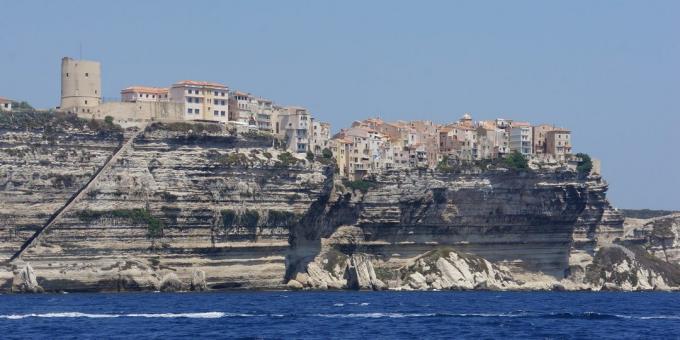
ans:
(352, 315)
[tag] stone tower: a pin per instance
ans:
(81, 84)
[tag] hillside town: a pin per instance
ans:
(367, 147)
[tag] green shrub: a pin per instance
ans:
(360, 184)
(585, 165)
(444, 166)
(228, 218)
(154, 225)
(281, 218)
(310, 156)
(287, 159)
(516, 161)
(108, 120)
(249, 218)
(234, 159)
(327, 153)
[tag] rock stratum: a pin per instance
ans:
(87, 206)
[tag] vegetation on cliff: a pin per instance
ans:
(585, 165)
(52, 122)
(154, 225)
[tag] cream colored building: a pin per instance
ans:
(5, 104)
(558, 143)
(136, 94)
(293, 125)
(320, 136)
(202, 100)
(81, 88)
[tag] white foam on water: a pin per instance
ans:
(673, 317)
(206, 315)
(375, 315)
(57, 315)
(338, 304)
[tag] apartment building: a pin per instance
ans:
(539, 137)
(558, 143)
(292, 125)
(521, 136)
(202, 100)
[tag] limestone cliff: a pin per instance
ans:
(195, 206)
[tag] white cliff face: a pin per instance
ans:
(193, 207)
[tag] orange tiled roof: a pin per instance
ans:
(4, 100)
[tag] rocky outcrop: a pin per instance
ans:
(197, 207)
(447, 269)
(24, 280)
(631, 268)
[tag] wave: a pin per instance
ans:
(217, 315)
(205, 315)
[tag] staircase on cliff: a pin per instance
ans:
(76, 196)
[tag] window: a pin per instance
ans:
(196, 111)
(66, 75)
(215, 93)
(87, 74)
(216, 113)
(86, 102)
(190, 111)
(188, 99)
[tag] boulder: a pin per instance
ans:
(171, 283)
(24, 280)
(294, 285)
(198, 281)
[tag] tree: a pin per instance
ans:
(517, 161)
(108, 120)
(585, 165)
(310, 156)
(327, 153)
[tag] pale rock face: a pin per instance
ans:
(198, 281)
(25, 280)
(237, 213)
(448, 269)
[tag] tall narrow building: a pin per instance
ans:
(81, 88)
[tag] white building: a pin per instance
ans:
(293, 127)
(521, 138)
(136, 94)
(202, 100)
(5, 104)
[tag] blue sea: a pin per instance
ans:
(350, 315)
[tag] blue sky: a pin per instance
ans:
(608, 70)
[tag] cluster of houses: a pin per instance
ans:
(189, 100)
(373, 145)
(207, 101)
(367, 147)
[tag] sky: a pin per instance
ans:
(607, 70)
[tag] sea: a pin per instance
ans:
(342, 315)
